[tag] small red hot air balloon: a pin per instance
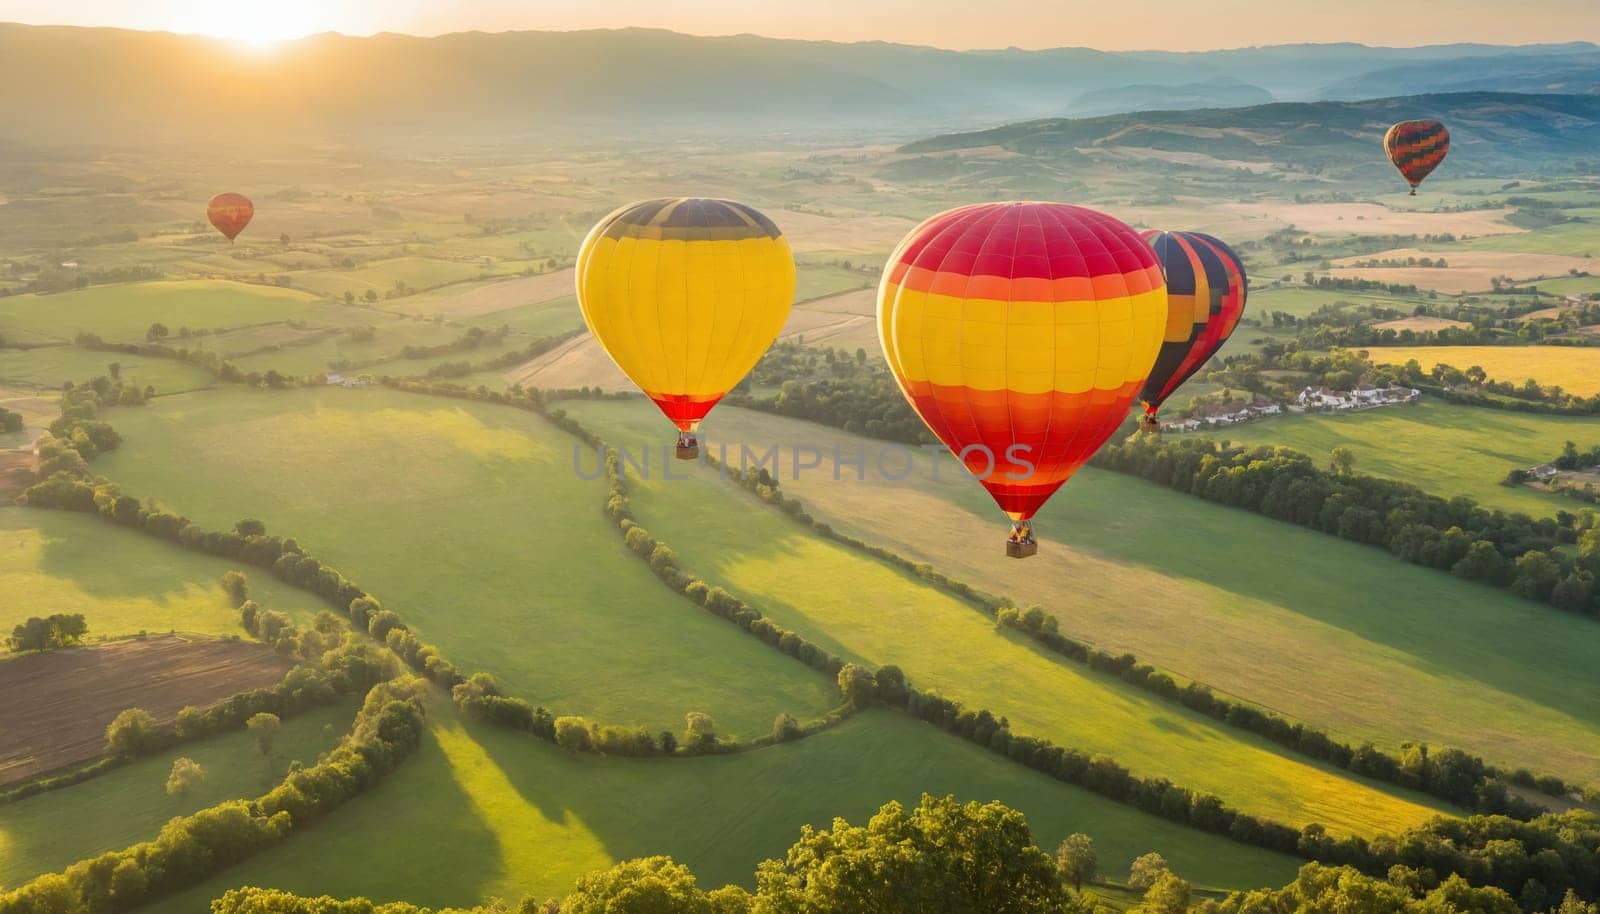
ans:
(230, 213)
(1416, 148)
(1021, 334)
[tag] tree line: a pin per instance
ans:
(1455, 535)
(48, 633)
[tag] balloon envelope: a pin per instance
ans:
(1206, 290)
(1021, 334)
(1416, 148)
(230, 213)
(685, 295)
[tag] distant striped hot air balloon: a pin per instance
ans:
(1416, 148)
(230, 213)
(1206, 290)
(685, 295)
(1021, 334)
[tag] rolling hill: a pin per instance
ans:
(1506, 133)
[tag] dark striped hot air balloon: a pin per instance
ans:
(1206, 290)
(1021, 334)
(1416, 148)
(685, 295)
(230, 213)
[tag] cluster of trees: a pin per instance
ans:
(473, 338)
(10, 421)
(1456, 535)
(834, 388)
(192, 848)
(1312, 280)
(1320, 889)
(48, 633)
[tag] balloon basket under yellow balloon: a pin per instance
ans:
(688, 451)
(1018, 550)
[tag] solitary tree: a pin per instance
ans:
(264, 727)
(186, 773)
(157, 331)
(1077, 861)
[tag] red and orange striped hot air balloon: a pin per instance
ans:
(230, 213)
(1416, 148)
(1021, 334)
(1206, 289)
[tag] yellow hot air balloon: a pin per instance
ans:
(685, 294)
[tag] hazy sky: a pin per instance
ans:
(1164, 24)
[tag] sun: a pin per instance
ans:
(253, 22)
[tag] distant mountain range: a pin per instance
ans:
(1490, 132)
(113, 86)
(1216, 93)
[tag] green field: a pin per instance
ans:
(505, 559)
(1574, 239)
(481, 811)
(124, 312)
(874, 614)
(122, 581)
(544, 318)
(51, 831)
(820, 280)
(1446, 449)
(415, 272)
(1246, 604)
(53, 366)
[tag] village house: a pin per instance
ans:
(1212, 415)
(1364, 396)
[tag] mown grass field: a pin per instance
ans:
(505, 559)
(1575, 369)
(122, 581)
(1444, 448)
(874, 614)
(481, 811)
(125, 312)
(51, 831)
(1338, 634)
